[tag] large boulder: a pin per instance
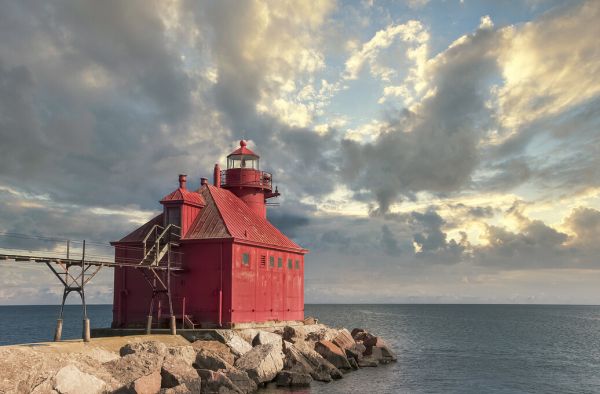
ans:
(377, 349)
(333, 354)
(295, 361)
(149, 384)
(205, 359)
(215, 382)
(240, 379)
(366, 363)
(181, 389)
(264, 337)
(290, 378)
(262, 363)
(344, 339)
(216, 347)
(236, 343)
(176, 371)
(136, 373)
(153, 347)
(70, 380)
(185, 353)
(293, 333)
(319, 364)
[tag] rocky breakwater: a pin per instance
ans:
(233, 361)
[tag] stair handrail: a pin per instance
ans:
(150, 232)
(168, 231)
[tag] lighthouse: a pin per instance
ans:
(244, 178)
(237, 269)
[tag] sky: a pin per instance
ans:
(426, 151)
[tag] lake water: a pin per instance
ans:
(440, 348)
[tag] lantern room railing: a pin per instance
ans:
(246, 177)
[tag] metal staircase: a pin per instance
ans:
(158, 243)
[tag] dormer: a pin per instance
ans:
(182, 206)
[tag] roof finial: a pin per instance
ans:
(242, 143)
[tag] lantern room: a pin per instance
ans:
(244, 178)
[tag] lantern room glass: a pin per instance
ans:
(242, 161)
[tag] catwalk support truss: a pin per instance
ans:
(74, 273)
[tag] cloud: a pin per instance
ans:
(434, 147)
(550, 64)
(411, 35)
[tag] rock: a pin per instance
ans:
(236, 344)
(70, 380)
(310, 321)
(153, 347)
(216, 347)
(217, 382)
(289, 378)
(365, 337)
(356, 331)
(205, 359)
(262, 363)
(240, 379)
(353, 363)
(344, 339)
(319, 332)
(366, 363)
(101, 355)
(129, 369)
(296, 362)
(248, 334)
(181, 389)
(319, 365)
(380, 351)
(264, 337)
(45, 387)
(149, 384)
(185, 353)
(333, 354)
(176, 371)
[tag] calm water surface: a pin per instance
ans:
(441, 348)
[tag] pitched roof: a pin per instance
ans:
(184, 195)
(226, 216)
(242, 150)
(139, 233)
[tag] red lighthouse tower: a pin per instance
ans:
(236, 268)
(244, 179)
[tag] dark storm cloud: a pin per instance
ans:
(86, 91)
(435, 149)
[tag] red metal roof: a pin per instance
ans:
(184, 195)
(226, 216)
(242, 150)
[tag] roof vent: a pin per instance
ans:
(182, 181)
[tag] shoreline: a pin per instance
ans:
(227, 360)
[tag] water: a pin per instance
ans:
(441, 348)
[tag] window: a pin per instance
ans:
(271, 261)
(246, 259)
(173, 216)
(263, 261)
(290, 266)
(279, 262)
(297, 265)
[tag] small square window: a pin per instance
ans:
(271, 261)
(279, 262)
(246, 259)
(290, 266)
(297, 265)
